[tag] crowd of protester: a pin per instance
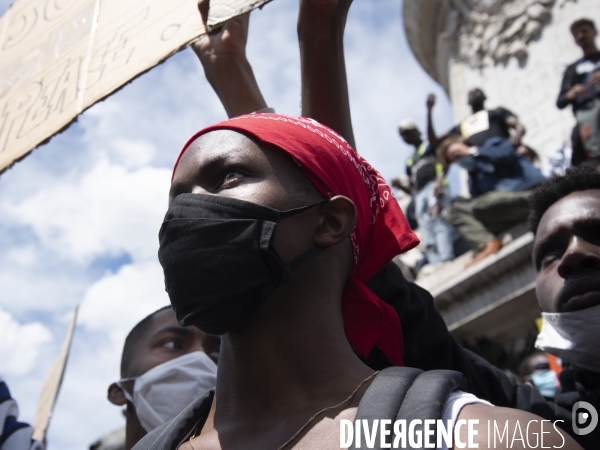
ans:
(502, 170)
(277, 250)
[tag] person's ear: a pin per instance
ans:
(116, 395)
(338, 220)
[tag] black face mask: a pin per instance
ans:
(219, 261)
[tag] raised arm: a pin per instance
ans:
(434, 140)
(223, 57)
(519, 130)
(321, 25)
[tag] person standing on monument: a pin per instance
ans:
(581, 88)
(482, 125)
(422, 169)
(485, 145)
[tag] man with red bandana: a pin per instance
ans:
(260, 193)
(275, 225)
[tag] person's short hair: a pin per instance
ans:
(442, 150)
(582, 22)
(407, 124)
(580, 178)
(134, 336)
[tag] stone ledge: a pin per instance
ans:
(494, 298)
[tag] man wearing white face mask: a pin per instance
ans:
(163, 368)
(566, 255)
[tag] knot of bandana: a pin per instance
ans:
(381, 230)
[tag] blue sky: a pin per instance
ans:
(79, 217)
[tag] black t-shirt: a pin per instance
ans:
(479, 127)
(578, 73)
(421, 166)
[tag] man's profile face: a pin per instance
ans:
(584, 35)
(566, 253)
(229, 164)
(165, 340)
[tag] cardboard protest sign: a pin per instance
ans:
(52, 385)
(59, 57)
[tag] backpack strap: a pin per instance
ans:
(405, 393)
(427, 396)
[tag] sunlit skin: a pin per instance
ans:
(164, 340)
(292, 358)
(566, 253)
(456, 151)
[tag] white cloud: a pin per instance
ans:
(21, 344)
(110, 210)
(115, 303)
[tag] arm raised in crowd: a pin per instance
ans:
(321, 25)
(519, 130)
(223, 57)
(434, 140)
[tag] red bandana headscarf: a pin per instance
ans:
(381, 230)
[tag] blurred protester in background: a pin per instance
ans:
(14, 435)
(500, 183)
(558, 162)
(581, 88)
(483, 124)
(535, 369)
(422, 169)
(164, 367)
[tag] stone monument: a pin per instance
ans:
(515, 50)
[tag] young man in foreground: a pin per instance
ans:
(286, 355)
(242, 206)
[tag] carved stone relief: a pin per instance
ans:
(492, 31)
